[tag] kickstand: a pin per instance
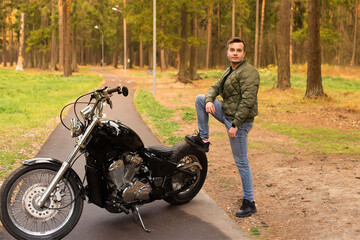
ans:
(136, 213)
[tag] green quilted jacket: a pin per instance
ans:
(239, 93)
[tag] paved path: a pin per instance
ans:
(199, 219)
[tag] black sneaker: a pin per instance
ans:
(197, 142)
(246, 209)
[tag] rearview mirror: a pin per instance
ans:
(125, 91)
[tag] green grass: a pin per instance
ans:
(29, 102)
(211, 74)
(322, 139)
(159, 116)
(189, 114)
(255, 231)
(268, 79)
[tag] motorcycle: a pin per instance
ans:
(44, 198)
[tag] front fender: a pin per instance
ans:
(58, 163)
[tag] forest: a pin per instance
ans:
(61, 34)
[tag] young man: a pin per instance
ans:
(238, 87)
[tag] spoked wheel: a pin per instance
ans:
(24, 219)
(195, 162)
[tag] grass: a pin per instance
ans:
(189, 114)
(324, 139)
(159, 116)
(255, 231)
(30, 103)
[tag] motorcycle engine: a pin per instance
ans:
(122, 174)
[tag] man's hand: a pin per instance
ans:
(232, 132)
(210, 108)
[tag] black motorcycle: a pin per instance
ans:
(44, 198)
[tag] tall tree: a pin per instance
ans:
(20, 62)
(73, 18)
(233, 19)
(256, 53)
(4, 44)
(219, 35)
(67, 37)
(262, 30)
(193, 51)
(61, 34)
(291, 30)
(356, 6)
(284, 46)
(183, 71)
(314, 86)
(209, 35)
(53, 58)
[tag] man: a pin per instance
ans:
(238, 87)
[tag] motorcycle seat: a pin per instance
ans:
(160, 150)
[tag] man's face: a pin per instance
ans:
(235, 52)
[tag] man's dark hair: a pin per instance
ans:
(234, 40)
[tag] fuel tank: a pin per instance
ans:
(113, 136)
(121, 136)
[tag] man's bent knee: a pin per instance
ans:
(200, 98)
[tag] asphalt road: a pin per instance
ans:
(199, 219)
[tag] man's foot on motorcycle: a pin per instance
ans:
(198, 142)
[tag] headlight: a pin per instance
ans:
(86, 112)
(76, 127)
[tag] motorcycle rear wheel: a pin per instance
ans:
(186, 154)
(25, 220)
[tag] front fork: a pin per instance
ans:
(66, 165)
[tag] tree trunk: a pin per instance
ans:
(67, 37)
(355, 33)
(256, 53)
(141, 52)
(44, 64)
(261, 31)
(53, 39)
(209, 36)
(233, 19)
(20, 62)
(193, 51)
(183, 73)
(162, 51)
(125, 41)
(314, 86)
(150, 51)
(11, 43)
(292, 2)
(219, 63)
(116, 49)
(74, 65)
(61, 35)
(240, 25)
(284, 46)
(4, 46)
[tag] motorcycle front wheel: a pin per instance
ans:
(187, 155)
(19, 212)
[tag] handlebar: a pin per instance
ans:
(112, 90)
(124, 90)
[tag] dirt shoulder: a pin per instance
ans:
(300, 193)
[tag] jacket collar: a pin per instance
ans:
(241, 64)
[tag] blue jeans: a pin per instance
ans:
(239, 144)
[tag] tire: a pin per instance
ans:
(184, 153)
(24, 220)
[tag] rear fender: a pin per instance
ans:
(58, 163)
